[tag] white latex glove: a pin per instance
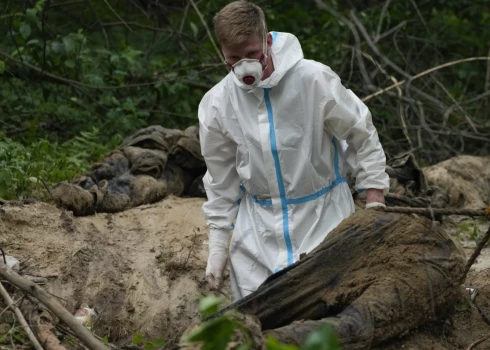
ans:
(217, 258)
(374, 204)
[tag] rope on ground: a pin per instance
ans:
(437, 211)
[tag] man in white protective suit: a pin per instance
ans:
(271, 134)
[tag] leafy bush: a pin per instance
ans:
(216, 333)
(24, 168)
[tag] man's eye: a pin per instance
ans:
(253, 54)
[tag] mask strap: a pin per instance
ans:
(264, 40)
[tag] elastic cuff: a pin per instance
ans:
(218, 239)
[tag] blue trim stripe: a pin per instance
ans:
(274, 36)
(318, 194)
(262, 202)
(338, 180)
(282, 191)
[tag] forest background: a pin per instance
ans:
(77, 76)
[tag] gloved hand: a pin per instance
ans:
(374, 204)
(217, 258)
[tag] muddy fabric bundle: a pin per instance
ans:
(374, 277)
(149, 165)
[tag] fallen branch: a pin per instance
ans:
(476, 253)
(54, 306)
(433, 69)
(18, 314)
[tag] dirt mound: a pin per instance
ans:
(144, 267)
(466, 178)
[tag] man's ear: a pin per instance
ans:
(269, 40)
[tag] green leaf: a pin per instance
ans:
(70, 64)
(105, 340)
(149, 346)
(31, 15)
(272, 344)
(322, 339)
(69, 44)
(18, 336)
(138, 337)
(2, 67)
(194, 29)
(32, 42)
(40, 4)
(25, 29)
(209, 305)
(159, 343)
(214, 335)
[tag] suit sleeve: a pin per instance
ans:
(349, 119)
(221, 181)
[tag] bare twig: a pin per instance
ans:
(47, 188)
(43, 26)
(420, 15)
(18, 314)
(373, 47)
(443, 88)
(210, 35)
(392, 30)
(99, 22)
(421, 74)
(117, 15)
(186, 11)
(400, 106)
(478, 342)
(10, 306)
(53, 305)
(321, 4)
(381, 18)
(475, 254)
(144, 26)
(486, 109)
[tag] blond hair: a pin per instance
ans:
(238, 21)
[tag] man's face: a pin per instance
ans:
(251, 48)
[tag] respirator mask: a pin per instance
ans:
(249, 70)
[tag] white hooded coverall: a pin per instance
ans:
(275, 164)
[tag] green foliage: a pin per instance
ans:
(216, 334)
(64, 73)
(24, 167)
(14, 333)
(472, 230)
(138, 341)
(323, 338)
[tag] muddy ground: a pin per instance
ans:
(144, 269)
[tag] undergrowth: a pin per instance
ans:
(28, 169)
